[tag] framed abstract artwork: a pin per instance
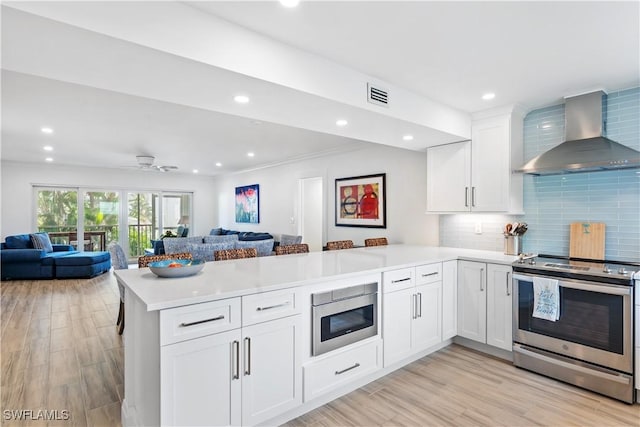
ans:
(361, 201)
(248, 204)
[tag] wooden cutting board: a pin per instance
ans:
(587, 240)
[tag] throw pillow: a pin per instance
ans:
(41, 241)
(19, 241)
(215, 232)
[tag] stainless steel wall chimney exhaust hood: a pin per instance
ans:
(585, 148)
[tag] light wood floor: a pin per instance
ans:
(61, 351)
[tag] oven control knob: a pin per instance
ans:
(532, 262)
(622, 271)
(606, 269)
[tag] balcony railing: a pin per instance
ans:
(98, 237)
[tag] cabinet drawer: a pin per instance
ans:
(428, 273)
(197, 320)
(327, 374)
(268, 306)
(395, 280)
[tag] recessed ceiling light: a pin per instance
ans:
(289, 3)
(195, 171)
(488, 96)
(342, 122)
(408, 138)
(241, 99)
(47, 148)
(250, 154)
(218, 164)
(46, 130)
(49, 159)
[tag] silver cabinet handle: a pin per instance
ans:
(481, 279)
(213, 319)
(272, 306)
(420, 304)
(357, 365)
(430, 274)
(466, 197)
(414, 315)
(508, 291)
(473, 197)
(247, 352)
(401, 280)
(236, 367)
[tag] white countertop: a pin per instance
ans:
(227, 279)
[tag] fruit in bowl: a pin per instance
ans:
(174, 265)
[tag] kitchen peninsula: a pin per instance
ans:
(232, 345)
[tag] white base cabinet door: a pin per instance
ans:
(472, 300)
(484, 303)
(427, 326)
(398, 315)
(412, 315)
(499, 306)
(449, 299)
(271, 373)
(201, 382)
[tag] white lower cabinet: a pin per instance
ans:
(449, 299)
(484, 303)
(499, 306)
(331, 372)
(411, 315)
(240, 377)
(198, 384)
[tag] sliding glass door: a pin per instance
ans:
(57, 214)
(142, 222)
(101, 218)
(90, 219)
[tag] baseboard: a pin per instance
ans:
(484, 348)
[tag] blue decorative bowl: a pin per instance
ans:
(187, 267)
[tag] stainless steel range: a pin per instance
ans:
(573, 320)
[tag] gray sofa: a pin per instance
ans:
(203, 247)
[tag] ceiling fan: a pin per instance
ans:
(147, 163)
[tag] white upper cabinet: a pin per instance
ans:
(449, 177)
(475, 176)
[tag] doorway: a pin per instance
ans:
(311, 221)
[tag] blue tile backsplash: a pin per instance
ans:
(551, 203)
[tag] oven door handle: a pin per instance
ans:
(582, 285)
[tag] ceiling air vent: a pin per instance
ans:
(377, 95)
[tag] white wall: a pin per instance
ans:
(406, 195)
(18, 179)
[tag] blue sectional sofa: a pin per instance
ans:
(19, 260)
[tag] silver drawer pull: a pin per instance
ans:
(401, 280)
(357, 365)
(272, 306)
(430, 274)
(213, 319)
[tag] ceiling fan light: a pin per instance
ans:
(145, 160)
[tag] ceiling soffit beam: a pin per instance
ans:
(183, 31)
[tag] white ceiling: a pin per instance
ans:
(528, 53)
